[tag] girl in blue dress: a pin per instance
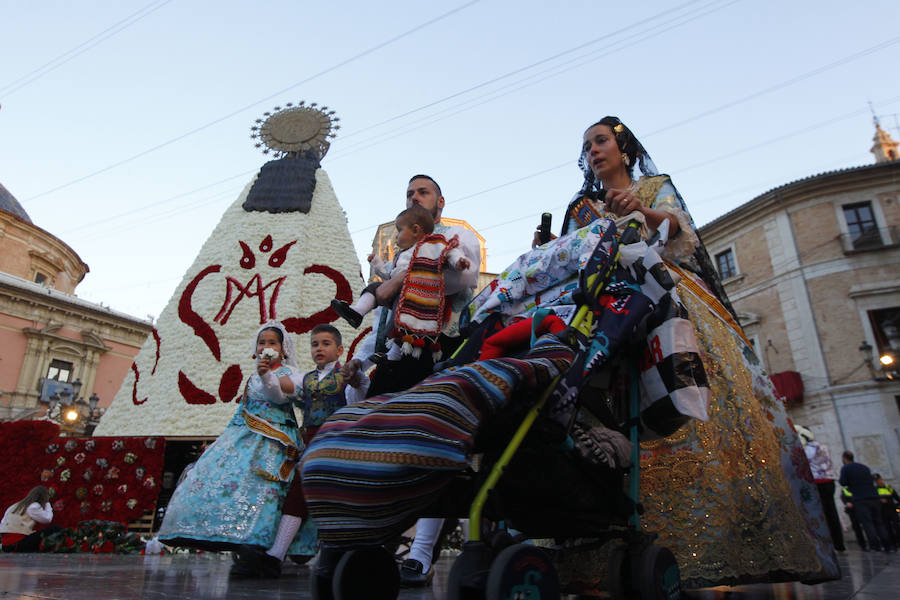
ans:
(234, 493)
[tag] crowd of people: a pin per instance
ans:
(374, 448)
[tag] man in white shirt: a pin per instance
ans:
(459, 288)
(395, 375)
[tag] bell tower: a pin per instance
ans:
(884, 148)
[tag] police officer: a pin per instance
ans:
(890, 501)
(847, 500)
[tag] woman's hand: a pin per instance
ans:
(537, 237)
(622, 202)
(263, 366)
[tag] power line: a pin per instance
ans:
(530, 80)
(783, 84)
(157, 203)
(338, 65)
(60, 60)
(786, 83)
(617, 46)
(477, 86)
(721, 107)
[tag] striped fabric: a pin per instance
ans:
(421, 306)
(373, 467)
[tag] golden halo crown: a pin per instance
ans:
(294, 129)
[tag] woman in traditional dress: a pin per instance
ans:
(731, 497)
(235, 491)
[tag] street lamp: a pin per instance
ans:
(93, 401)
(887, 364)
(866, 350)
(53, 402)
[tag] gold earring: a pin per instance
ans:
(626, 160)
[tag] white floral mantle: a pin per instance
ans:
(188, 376)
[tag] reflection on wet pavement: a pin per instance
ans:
(867, 576)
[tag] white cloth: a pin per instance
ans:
(819, 461)
(271, 388)
(427, 532)
(14, 522)
(465, 280)
(399, 265)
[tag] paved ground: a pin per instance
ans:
(867, 576)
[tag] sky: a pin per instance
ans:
(125, 125)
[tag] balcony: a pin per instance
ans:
(869, 240)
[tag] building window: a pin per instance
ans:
(40, 278)
(59, 370)
(861, 226)
(885, 324)
(726, 265)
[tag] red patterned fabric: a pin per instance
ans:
(106, 478)
(789, 386)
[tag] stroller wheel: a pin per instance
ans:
(366, 573)
(618, 578)
(522, 571)
(320, 588)
(469, 572)
(659, 575)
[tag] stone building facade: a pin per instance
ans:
(47, 332)
(812, 268)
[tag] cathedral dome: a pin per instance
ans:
(9, 203)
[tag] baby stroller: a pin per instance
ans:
(531, 454)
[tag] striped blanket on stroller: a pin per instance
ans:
(374, 467)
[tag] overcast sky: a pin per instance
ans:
(124, 126)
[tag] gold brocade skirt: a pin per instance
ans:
(733, 497)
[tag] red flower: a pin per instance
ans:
(85, 547)
(69, 542)
(107, 547)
